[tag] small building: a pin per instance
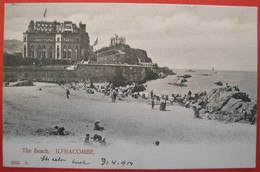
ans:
(56, 40)
(117, 40)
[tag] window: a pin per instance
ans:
(64, 52)
(82, 53)
(24, 51)
(32, 51)
(58, 39)
(69, 52)
(43, 52)
(39, 52)
(50, 52)
(58, 52)
(76, 53)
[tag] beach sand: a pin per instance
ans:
(132, 125)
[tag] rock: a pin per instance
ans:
(24, 83)
(231, 105)
(219, 83)
(161, 75)
(138, 88)
(185, 76)
(226, 105)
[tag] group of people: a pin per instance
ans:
(59, 131)
(90, 141)
(162, 100)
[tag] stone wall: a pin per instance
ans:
(97, 73)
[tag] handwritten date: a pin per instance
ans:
(123, 163)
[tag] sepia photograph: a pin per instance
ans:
(129, 86)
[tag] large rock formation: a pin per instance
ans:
(229, 105)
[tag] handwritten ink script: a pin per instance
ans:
(123, 163)
(59, 159)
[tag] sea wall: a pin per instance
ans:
(95, 72)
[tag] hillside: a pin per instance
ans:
(131, 54)
(13, 46)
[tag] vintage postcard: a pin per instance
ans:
(129, 86)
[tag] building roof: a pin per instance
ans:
(52, 27)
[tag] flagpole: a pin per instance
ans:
(45, 13)
(95, 43)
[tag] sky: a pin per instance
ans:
(177, 36)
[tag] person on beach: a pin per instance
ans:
(97, 138)
(152, 102)
(196, 112)
(151, 93)
(97, 126)
(228, 88)
(162, 104)
(114, 96)
(189, 93)
(87, 140)
(244, 112)
(252, 117)
(67, 93)
(60, 131)
(103, 142)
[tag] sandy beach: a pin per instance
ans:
(128, 123)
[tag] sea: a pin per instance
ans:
(203, 80)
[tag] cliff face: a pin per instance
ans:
(131, 54)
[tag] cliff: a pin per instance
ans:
(131, 55)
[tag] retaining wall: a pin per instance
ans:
(97, 73)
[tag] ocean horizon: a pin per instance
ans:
(203, 80)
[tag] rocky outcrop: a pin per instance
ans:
(132, 55)
(226, 105)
